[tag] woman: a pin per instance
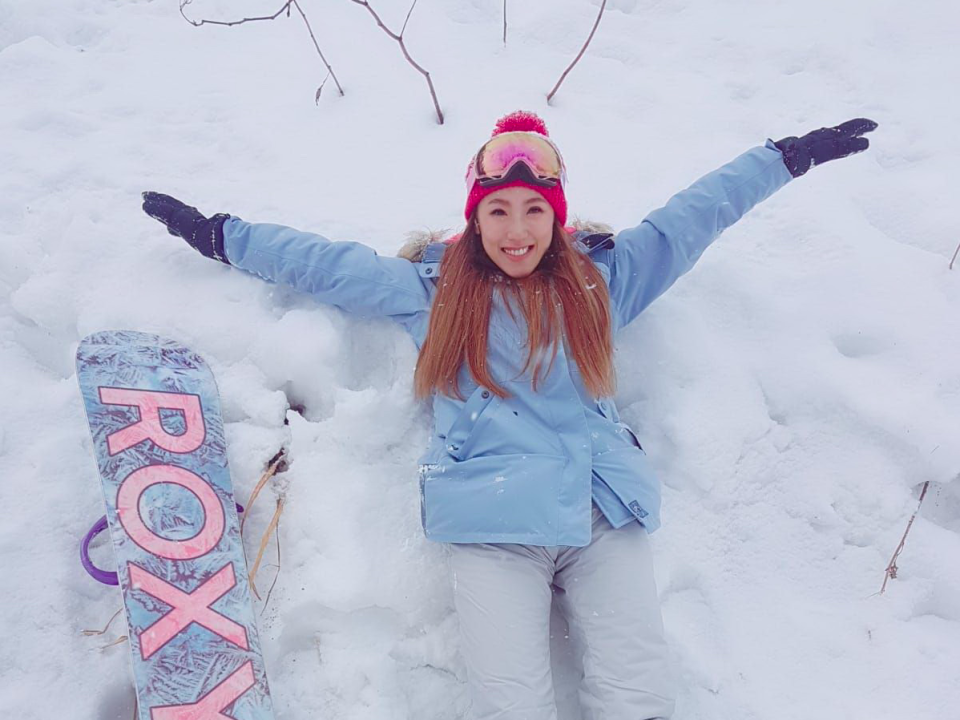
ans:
(531, 478)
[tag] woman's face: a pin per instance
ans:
(516, 228)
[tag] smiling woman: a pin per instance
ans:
(516, 227)
(516, 209)
(516, 259)
(531, 478)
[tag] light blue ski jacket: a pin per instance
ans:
(523, 469)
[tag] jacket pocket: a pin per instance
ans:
(633, 436)
(609, 410)
(494, 498)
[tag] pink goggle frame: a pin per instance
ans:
(496, 161)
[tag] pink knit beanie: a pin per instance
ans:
(525, 122)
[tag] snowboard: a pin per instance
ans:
(154, 415)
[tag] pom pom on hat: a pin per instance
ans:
(520, 121)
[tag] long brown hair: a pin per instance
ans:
(564, 298)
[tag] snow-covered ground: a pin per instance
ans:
(794, 391)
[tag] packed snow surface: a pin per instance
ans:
(795, 390)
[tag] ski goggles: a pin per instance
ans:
(517, 155)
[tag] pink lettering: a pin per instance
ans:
(210, 707)
(187, 608)
(149, 427)
(128, 509)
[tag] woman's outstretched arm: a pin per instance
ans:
(647, 259)
(348, 275)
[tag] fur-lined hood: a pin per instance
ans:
(417, 240)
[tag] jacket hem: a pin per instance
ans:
(493, 539)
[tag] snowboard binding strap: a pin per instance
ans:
(107, 577)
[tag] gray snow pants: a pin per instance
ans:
(608, 594)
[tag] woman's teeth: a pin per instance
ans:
(518, 251)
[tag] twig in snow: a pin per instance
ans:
(891, 572)
(955, 252)
(403, 47)
(122, 638)
(504, 23)
(105, 627)
(286, 7)
(263, 545)
(266, 603)
(272, 469)
(580, 54)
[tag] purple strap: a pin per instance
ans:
(104, 576)
(107, 577)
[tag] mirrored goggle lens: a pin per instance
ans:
(501, 153)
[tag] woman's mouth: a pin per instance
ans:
(517, 253)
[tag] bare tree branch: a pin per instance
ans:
(579, 55)
(891, 571)
(198, 23)
(330, 72)
(504, 23)
(403, 47)
(407, 19)
(316, 98)
(955, 253)
(286, 7)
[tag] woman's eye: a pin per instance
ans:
(500, 211)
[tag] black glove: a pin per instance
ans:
(801, 154)
(204, 234)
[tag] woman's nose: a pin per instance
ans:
(516, 228)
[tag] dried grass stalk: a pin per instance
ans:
(121, 639)
(271, 470)
(263, 545)
(105, 627)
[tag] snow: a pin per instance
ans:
(794, 391)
